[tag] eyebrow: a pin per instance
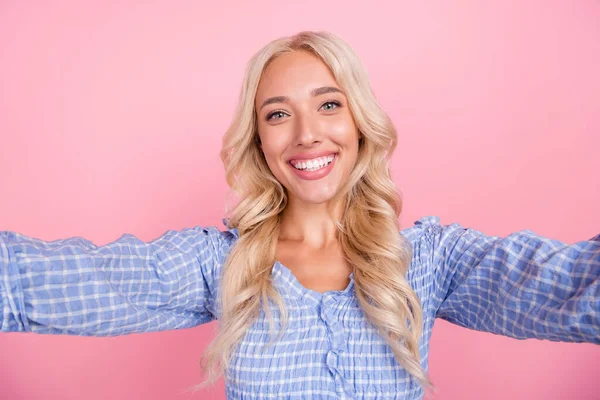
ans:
(314, 92)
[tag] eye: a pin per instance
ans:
(330, 105)
(275, 115)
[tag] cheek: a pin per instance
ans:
(345, 133)
(272, 149)
(274, 139)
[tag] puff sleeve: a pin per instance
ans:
(523, 285)
(71, 286)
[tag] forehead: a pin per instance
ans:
(294, 73)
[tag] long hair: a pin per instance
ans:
(368, 231)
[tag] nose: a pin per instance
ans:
(307, 132)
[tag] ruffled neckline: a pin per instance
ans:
(296, 291)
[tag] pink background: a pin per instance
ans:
(111, 119)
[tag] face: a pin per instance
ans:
(307, 133)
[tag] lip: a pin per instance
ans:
(314, 175)
(311, 155)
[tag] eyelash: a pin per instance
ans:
(271, 114)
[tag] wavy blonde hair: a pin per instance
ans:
(368, 231)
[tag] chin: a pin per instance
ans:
(313, 192)
(315, 197)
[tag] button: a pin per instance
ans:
(323, 314)
(332, 361)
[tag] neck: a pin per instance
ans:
(310, 224)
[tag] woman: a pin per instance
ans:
(317, 294)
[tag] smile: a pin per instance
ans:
(313, 169)
(313, 165)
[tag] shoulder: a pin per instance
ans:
(428, 239)
(429, 229)
(422, 227)
(221, 241)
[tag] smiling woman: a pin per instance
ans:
(309, 124)
(313, 248)
(307, 151)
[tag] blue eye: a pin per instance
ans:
(330, 105)
(276, 115)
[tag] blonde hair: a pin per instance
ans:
(368, 231)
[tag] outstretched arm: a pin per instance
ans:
(522, 285)
(71, 286)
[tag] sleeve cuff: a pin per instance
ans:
(12, 304)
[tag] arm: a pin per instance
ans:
(71, 286)
(523, 285)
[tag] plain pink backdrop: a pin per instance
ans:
(111, 117)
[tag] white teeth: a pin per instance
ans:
(313, 165)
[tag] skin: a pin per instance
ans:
(303, 122)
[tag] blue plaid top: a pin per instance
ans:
(522, 286)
